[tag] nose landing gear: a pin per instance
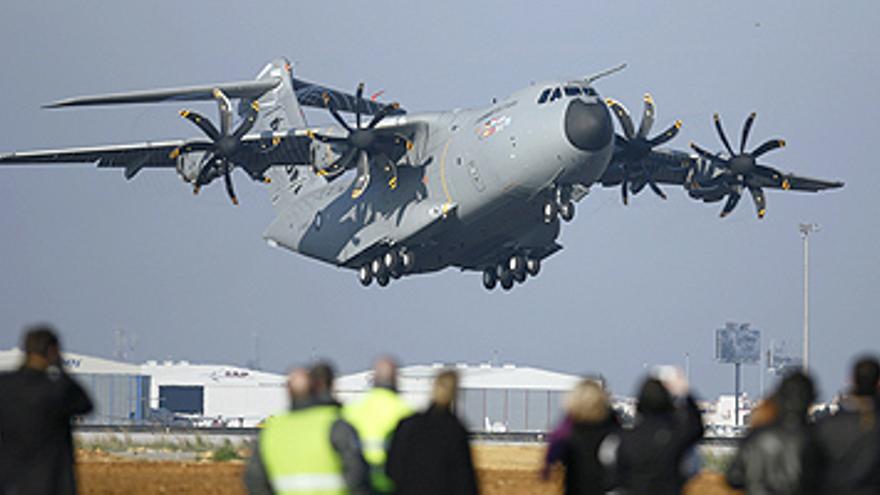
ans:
(559, 205)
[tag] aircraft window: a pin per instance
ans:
(544, 95)
(557, 94)
(589, 91)
(572, 91)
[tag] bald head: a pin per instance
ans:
(298, 385)
(385, 373)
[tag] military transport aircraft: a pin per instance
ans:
(395, 194)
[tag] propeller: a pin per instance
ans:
(741, 170)
(363, 143)
(223, 144)
(633, 146)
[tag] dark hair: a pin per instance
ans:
(321, 376)
(866, 374)
(38, 339)
(654, 398)
(795, 394)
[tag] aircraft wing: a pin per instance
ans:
(257, 153)
(312, 95)
(680, 168)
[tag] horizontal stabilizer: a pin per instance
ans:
(244, 89)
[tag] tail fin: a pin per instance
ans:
(279, 108)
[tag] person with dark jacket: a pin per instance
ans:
(429, 452)
(780, 458)
(37, 404)
(849, 441)
(576, 443)
(650, 457)
(310, 448)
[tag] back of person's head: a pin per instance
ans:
(321, 377)
(385, 373)
(445, 389)
(587, 403)
(866, 375)
(654, 398)
(794, 396)
(298, 385)
(40, 340)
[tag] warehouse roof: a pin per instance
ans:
(75, 363)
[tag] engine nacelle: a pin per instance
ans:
(322, 154)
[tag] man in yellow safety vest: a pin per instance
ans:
(310, 449)
(375, 417)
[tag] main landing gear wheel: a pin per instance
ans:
(533, 267)
(550, 211)
(365, 275)
(517, 266)
(490, 279)
(382, 280)
(566, 211)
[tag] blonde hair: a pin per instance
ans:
(587, 402)
(445, 388)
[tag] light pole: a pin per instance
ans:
(806, 229)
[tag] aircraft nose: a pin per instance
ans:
(588, 126)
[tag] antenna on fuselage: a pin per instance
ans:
(607, 72)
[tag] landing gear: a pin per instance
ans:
(559, 205)
(393, 264)
(511, 271)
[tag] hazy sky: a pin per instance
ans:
(635, 286)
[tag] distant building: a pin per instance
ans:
(120, 391)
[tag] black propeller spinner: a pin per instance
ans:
(223, 144)
(633, 146)
(363, 143)
(742, 169)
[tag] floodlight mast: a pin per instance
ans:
(806, 229)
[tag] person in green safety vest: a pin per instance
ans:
(310, 449)
(375, 417)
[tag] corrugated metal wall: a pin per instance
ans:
(118, 399)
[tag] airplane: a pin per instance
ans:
(390, 194)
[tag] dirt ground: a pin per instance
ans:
(502, 470)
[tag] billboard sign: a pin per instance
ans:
(738, 344)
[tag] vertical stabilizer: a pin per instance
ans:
(279, 108)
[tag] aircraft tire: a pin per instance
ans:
(365, 275)
(391, 260)
(517, 267)
(377, 267)
(533, 266)
(507, 283)
(566, 211)
(490, 279)
(382, 280)
(407, 260)
(550, 211)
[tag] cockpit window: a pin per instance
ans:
(544, 95)
(557, 94)
(572, 91)
(590, 91)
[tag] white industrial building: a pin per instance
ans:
(492, 398)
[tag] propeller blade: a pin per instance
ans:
(363, 175)
(652, 184)
(331, 106)
(248, 123)
(768, 146)
(667, 135)
(732, 200)
(225, 108)
(327, 139)
(760, 201)
(647, 117)
(705, 154)
(192, 146)
(623, 117)
(382, 114)
(227, 168)
(721, 134)
(624, 189)
(747, 127)
(359, 94)
(202, 123)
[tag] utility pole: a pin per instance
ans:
(806, 229)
